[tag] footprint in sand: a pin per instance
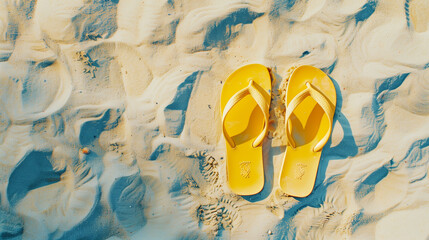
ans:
(218, 216)
(209, 168)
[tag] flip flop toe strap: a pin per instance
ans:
(253, 91)
(322, 100)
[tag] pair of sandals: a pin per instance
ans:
(245, 103)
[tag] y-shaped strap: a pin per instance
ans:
(259, 99)
(322, 100)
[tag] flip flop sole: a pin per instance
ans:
(245, 121)
(309, 125)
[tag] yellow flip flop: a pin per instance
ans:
(310, 106)
(245, 103)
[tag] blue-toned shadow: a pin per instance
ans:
(126, 195)
(95, 226)
(407, 12)
(94, 26)
(175, 112)
(383, 88)
(366, 11)
(11, 226)
(92, 129)
(368, 185)
(95, 163)
(34, 171)
(286, 229)
(331, 68)
(171, 37)
(219, 34)
(165, 147)
(346, 148)
(280, 6)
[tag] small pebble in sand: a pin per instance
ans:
(85, 150)
(270, 232)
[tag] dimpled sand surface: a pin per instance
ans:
(110, 118)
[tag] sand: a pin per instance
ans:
(110, 118)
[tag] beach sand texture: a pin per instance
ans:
(110, 124)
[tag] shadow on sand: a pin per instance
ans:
(346, 148)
